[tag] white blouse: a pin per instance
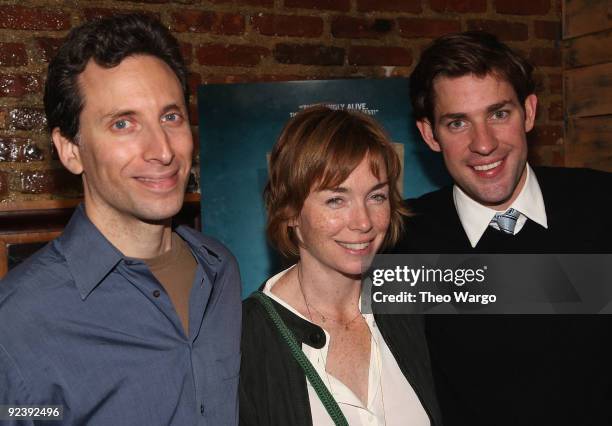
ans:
(391, 399)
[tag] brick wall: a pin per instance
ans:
(261, 40)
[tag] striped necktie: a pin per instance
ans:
(506, 221)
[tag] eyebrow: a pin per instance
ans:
(113, 115)
(116, 114)
(490, 108)
(344, 190)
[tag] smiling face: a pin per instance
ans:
(134, 145)
(480, 128)
(341, 229)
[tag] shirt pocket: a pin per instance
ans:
(222, 402)
(228, 366)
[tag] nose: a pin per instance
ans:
(483, 140)
(159, 147)
(360, 218)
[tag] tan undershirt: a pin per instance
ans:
(175, 270)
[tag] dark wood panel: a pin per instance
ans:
(589, 50)
(588, 91)
(14, 248)
(589, 143)
(23, 226)
(585, 17)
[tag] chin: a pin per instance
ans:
(160, 212)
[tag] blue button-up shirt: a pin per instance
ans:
(87, 328)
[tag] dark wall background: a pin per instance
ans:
(261, 40)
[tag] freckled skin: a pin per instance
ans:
(478, 135)
(332, 272)
(358, 216)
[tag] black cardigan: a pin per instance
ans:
(273, 386)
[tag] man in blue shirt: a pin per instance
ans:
(123, 320)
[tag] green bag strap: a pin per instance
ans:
(323, 393)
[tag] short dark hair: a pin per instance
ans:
(470, 52)
(318, 149)
(107, 41)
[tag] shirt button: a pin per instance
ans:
(202, 409)
(317, 338)
(156, 293)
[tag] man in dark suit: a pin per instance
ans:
(474, 101)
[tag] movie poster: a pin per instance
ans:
(239, 124)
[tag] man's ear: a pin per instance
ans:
(531, 104)
(67, 151)
(428, 135)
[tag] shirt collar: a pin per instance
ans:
(89, 255)
(475, 217)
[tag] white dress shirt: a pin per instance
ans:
(391, 399)
(475, 217)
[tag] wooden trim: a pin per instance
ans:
(29, 237)
(63, 204)
(3, 259)
(39, 205)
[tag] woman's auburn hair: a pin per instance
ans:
(318, 149)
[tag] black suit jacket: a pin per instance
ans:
(522, 369)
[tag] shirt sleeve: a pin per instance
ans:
(13, 390)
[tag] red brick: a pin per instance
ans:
(186, 51)
(555, 111)
(4, 186)
(308, 54)
(19, 150)
(48, 47)
(36, 182)
(24, 118)
(379, 55)
(27, 18)
(545, 135)
(3, 118)
(504, 30)
(522, 7)
(248, 78)
(194, 80)
(150, 1)
(197, 21)
(17, 85)
(411, 6)
(340, 5)
(13, 55)
(58, 182)
(547, 30)
(427, 28)
(231, 55)
(265, 3)
(92, 13)
(288, 25)
(538, 78)
(461, 6)
(555, 84)
(545, 57)
(349, 27)
(194, 117)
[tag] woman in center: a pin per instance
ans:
(332, 203)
